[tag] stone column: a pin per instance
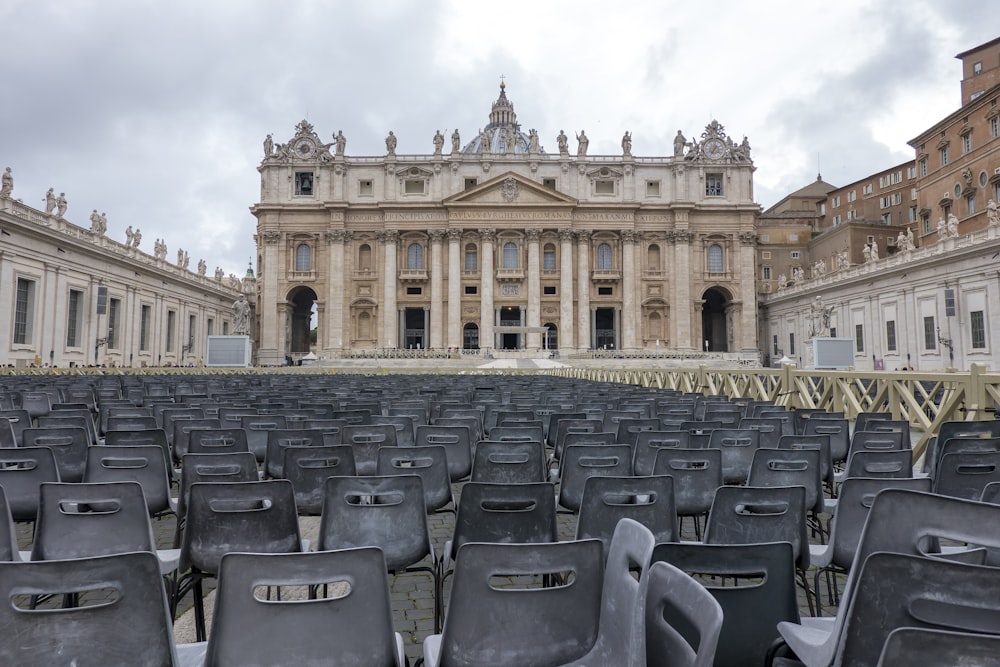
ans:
(454, 326)
(629, 238)
(436, 337)
(534, 340)
(389, 239)
(683, 334)
(271, 317)
(583, 284)
(566, 289)
(337, 316)
(746, 338)
(486, 313)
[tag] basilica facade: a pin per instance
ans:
(498, 245)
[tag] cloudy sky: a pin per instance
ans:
(155, 111)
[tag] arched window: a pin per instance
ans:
(415, 256)
(549, 257)
(604, 257)
(470, 337)
(303, 257)
(551, 336)
(715, 258)
(653, 257)
(365, 257)
(509, 255)
(471, 258)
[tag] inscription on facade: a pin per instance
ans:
(516, 216)
(620, 216)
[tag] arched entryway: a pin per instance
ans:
(715, 321)
(470, 336)
(302, 318)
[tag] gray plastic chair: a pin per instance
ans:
(180, 439)
(22, 472)
(895, 464)
(771, 430)
(68, 444)
(929, 646)
(672, 602)
(257, 427)
(647, 500)
(820, 443)
(352, 626)
(457, 440)
(738, 447)
(966, 474)
(789, 467)
(509, 462)
(579, 462)
(281, 438)
(697, 474)
(649, 443)
(629, 429)
(307, 469)
(838, 429)
(753, 583)
(367, 439)
(217, 441)
(430, 463)
(223, 517)
(142, 464)
(131, 627)
(525, 623)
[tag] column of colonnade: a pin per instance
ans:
(629, 238)
(454, 288)
(337, 312)
(437, 289)
(390, 318)
(534, 305)
(486, 313)
(584, 340)
(566, 336)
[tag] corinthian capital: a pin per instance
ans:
(630, 235)
(533, 235)
(455, 235)
(437, 235)
(488, 235)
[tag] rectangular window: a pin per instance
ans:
(549, 290)
(303, 183)
(652, 188)
(774, 343)
(791, 343)
(852, 214)
(366, 188)
(977, 68)
(930, 333)
(970, 204)
(766, 273)
(192, 326)
(944, 156)
(995, 126)
(471, 289)
(925, 224)
(413, 186)
(890, 335)
(922, 165)
(209, 327)
(977, 325)
(713, 185)
(24, 311)
(606, 291)
(949, 302)
(74, 319)
(887, 218)
(114, 323)
(471, 259)
(852, 195)
(867, 189)
(795, 254)
(549, 260)
(967, 143)
(145, 317)
(836, 220)
(604, 187)
(911, 172)
(549, 183)
(414, 291)
(859, 337)
(171, 330)
(765, 254)
(912, 215)
(471, 183)
(835, 202)
(764, 238)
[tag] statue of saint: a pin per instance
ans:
(874, 250)
(268, 146)
(484, 141)
(61, 204)
(910, 245)
(129, 236)
(241, 315)
(50, 201)
(782, 281)
(627, 144)
(95, 222)
(942, 229)
(390, 144)
(159, 249)
(952, 225)
(438, 142)
(901, 241)
(7, 183)
(136, 238)
(991, 213)
(867, 252)
(582, 143)
(202, 267)
(341, 141)
(532, 140)
(219, 273)
(680, 141)
(456, 141)
(563, 142)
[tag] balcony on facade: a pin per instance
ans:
(509, 275)
(413, 275)
(605, 275)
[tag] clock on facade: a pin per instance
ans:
(304, 148)
(714, 148)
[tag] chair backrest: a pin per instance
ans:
(753, 583)
(738, 447)
(332, 429)
(771, 430)
(931, 646)
(801, 417)
(80, 520)
(839, 431)
(649, 443)
(195, 468)
(385, 511)
(225, 440)
(257, 427)
(509, 462)
(525, 623)
(966, 474)
(552, 430)
(404, 426)
(22, 471)
(19, 420)
(789, 467)
(672, 602)
(281, 438)
(7, 438)
(877, 441)
(137, 422)
(8, 537)
(697, 474)
(505, 513)
(896, 463)
(68, 444)
(223, 517)
(986, 428)
(181, 438)
(820, 443)
(307, 469)
(749, 514)
(132, 626)
(863, 419)
(353, 622)
(896, 590)
(580, 462)
(629, 430)
(457, 442)
(142, 464)
(565, 426)
(367, 439)
(516, 433)
(646, 500)
(81, 418)
(429, 462)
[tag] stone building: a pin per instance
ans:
(70, 295)
(496, 244)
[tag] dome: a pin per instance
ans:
(502, 135)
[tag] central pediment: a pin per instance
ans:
(510, 189)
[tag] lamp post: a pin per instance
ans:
(948, 343)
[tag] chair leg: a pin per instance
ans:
(199, 610)
(804, 580)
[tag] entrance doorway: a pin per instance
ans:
(510, 316)
(470, 337)
(414, 329)
(604, 325)
(713, 321)
(304, 320)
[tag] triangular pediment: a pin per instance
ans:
(510, 189)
